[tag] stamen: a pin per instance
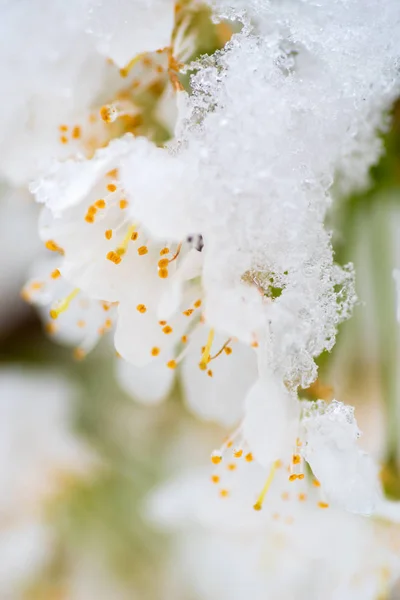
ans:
(238, 453)
(55, 274)
(171, 364)
(175, 256)
(261, 498)
(206, 354)
(64, 304)
(224, 493)
(215, 478)
(141, 308)
(142, 250)
(155, 351)
(124, 72)
(216, 457)
(221, 350)
(323, 505)
(54, 247)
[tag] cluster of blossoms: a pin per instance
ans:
(184, 211)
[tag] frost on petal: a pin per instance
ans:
(348, 476)
(268, 422)
(149, 384)
(218, 393)
(126, 28)
(67, 183)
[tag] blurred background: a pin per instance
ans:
(79, 455)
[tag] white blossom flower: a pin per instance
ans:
(297, 547)
(326, 440)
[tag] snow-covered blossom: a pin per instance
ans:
(271, 120)
(278, 430)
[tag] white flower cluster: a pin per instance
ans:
(209, 252)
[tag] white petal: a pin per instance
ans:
(348, 476)
(268, 423)
(125, 29)
(219, 398)
(149, 384)
(158, 186)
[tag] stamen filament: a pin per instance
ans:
(64, 304)
(205, 357)
(221, 350)
(267, 485)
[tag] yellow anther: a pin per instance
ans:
(55, 274)
(162, 323)
(249, 457)
(254, 344)
(267, 485)
(142, 250)
(108, 113)
(64, 304)
(164, 251)
(108, 324)
(296, 459)
(134, 236)
(302, 497)
(323, 505)
(76, 132)
(184, 339)
(141, 308)
(197, 304)
(53, 246)
(50, 328)
(210, 373)
(79, 354)
(113, 257)
(100, 203)
(108, 233)
(238, 453)
(215, 478)
(163, 273)
(228, 350)
(63, 139)
(163, 262)
(224, 493)
(113, 173)
(206, 353)
(155, 351)
(167, 329)
(316, 483)
(188, 312)
(92, 210)
(231, 467)
(216, 457)
(123, 204)
(106, 306)
(301, 476)
(293, 477)
(111, 187)
(171, 364)
(63, 128)
(89, 218)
